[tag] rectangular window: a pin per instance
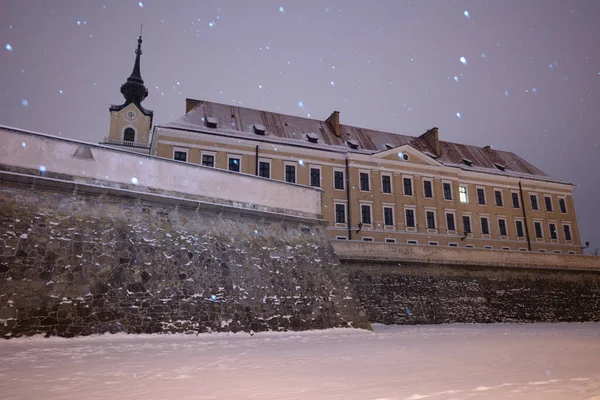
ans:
(234, 164)
(553, 233)
(388, 216)
(567, 230)
(548, 201)
(463, 194)
(515, 200)
(562, 205)
(338, 180)
(534, 202)
(433, 243)
(538, 229)
(386, 184)
(453, 244)
(264, 169)
(447, 191)
(410, 217)
(315, 177)
(389, 240)
(340, 213)
(519, 226)
(407, 186)
(430, 219)
(208, 160)
(450, 224)
(427, 189)
(341, 238)
(364, 181)
(485, 226)
(290, 173)
(180, 156)
(488, 247)
(466, 223)
(367, 239)
(412, 241)
(365, 212)
(502, 227)
(499, 200)
(480, 196)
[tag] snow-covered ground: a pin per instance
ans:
(503, 361)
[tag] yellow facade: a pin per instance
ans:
(130, 117)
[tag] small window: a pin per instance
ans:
(430, 219)
(470, 246)
(515, 200)
(290, 173)
(572, 252)
(453, 244)
(412, 241)
(488, 247)
(463, 194)
(538, 230)
(340, 213)
(388, 216)
(234, 164)
(433, 243)
(485, 226)
(407, 186)
(562, 205)
(447, 191)
(367, 239)
(556, 251)
(501, 167)
(427, 189)
(480, 196)
(312, 137)
(264, 169)
(450, 223)
(211, 122)
(180, 156)
(341, 238)
(567, 230)
(466, 224)
(467, 162)
(390, 240)
(553, 232)
(506, 248)
(386, 184)
(519, 226)
(208, 160)
(353, 144)
(129, 135)
(548, 201)
(410, 217)
(338, 180)
(364, 181)
(315, 177)
(502, 227)
(259, 129)
(365, 212)
(521, 249)
(534, 201)
(498, 197)
(542, 250)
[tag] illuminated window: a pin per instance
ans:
(462, 194)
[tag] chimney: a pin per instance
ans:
(432, 138)
(334, 123)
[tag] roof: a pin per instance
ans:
(289, 129)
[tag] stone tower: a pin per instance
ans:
(130, 123)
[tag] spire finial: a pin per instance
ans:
(141, 28)
(134, 89)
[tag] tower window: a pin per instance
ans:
(180, 156)
(129, 135)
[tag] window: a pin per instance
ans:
(542, 250)
(538, 230)
(447, 191)
(430, 219)
(521, 249)
(410, 217)
(338, 180)
(466, 224)
(485, 226)
(129, 135)
(264, 169)
(367, 239)
(389, 240)
(290, 173)
(534, 202)
(480, 196)
(340, 213)
(407, 186)
(562, 205)
(365, 212)
(234, 164)
(572, 252)
(388, 216)
(502, 227)
(208, 160)
(519, 226)
(553, 233)
(315, 177)
(364, 181)
(433, 243)
(450, 223)
(453, 244)
(498, 196)
(470, 246)
(557, 251)
(427, 189)
(506, 248)
(412, 241)
(548, 201)
(341, 238)
(180, 156)
(515, 200)
(567, 230)
(488, 247)
(463, 194)
(386, 184)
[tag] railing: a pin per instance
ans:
(126, 143)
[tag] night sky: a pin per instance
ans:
(522, 76)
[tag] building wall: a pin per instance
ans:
(130, 116)
(419, 169)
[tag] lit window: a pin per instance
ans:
(462, 194)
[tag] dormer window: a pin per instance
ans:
(211, 122)
(500, 166)
(389, 146)
(259, 129)
(353, 144)
(467, 162)
(312, 137)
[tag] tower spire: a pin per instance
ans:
(134, 90)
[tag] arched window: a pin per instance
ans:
(129, 135)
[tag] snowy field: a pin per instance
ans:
(504, 361)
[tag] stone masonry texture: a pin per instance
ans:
(78, 264)
(436, 294)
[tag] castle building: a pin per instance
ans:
(376, 186)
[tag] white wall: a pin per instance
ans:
(33, 150)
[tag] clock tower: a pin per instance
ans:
(130, 123)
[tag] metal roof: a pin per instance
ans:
(293, 130)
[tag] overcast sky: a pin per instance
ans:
(522, 76)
